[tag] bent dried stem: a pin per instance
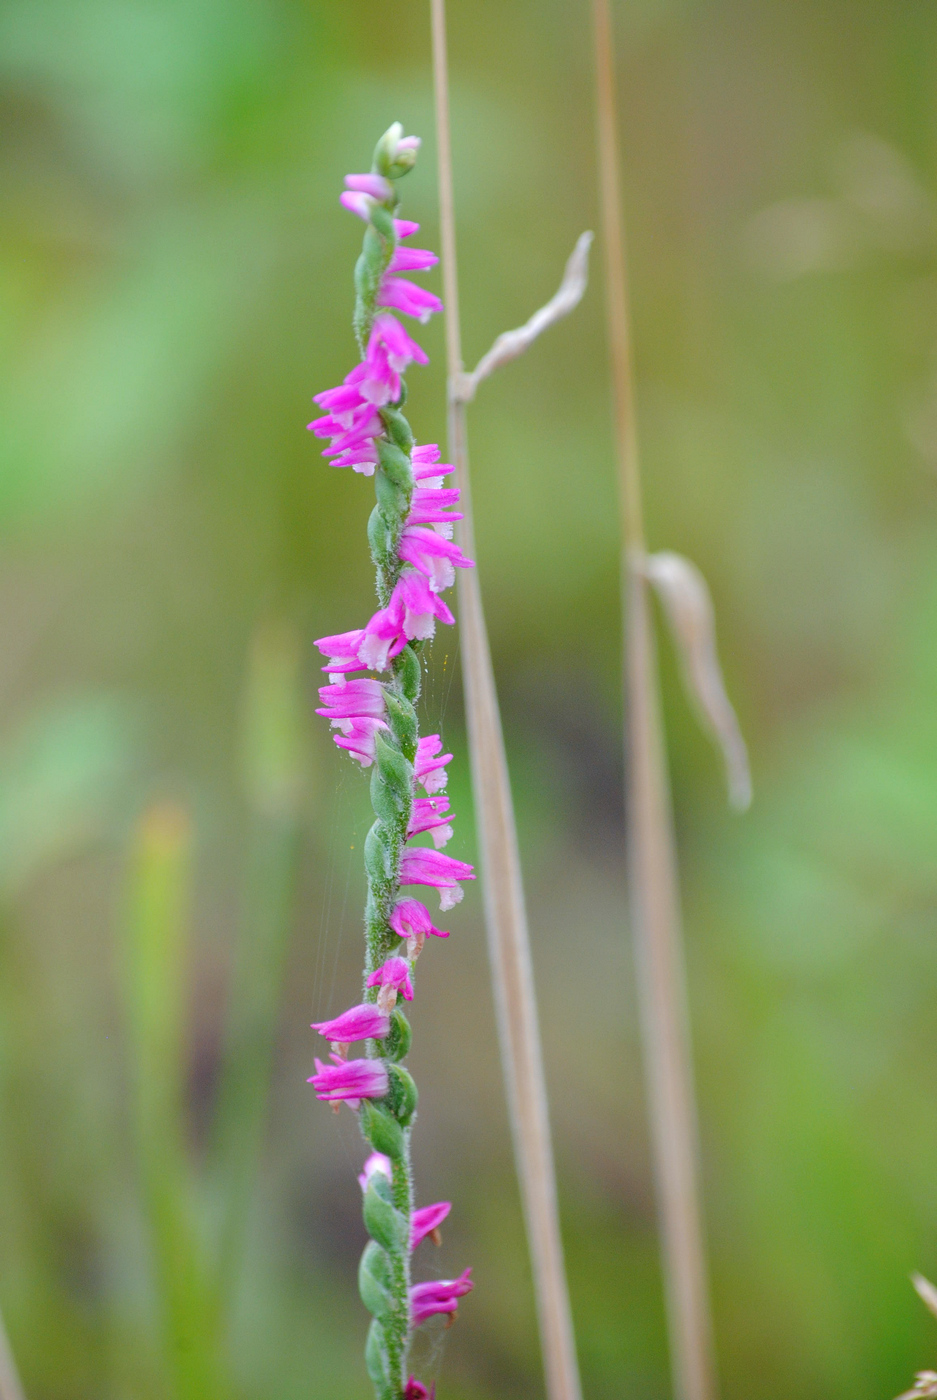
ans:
(505, 915)
(652, 875)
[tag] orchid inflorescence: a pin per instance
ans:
(410, 534)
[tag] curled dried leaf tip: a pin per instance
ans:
(510, 344)
(688, 606)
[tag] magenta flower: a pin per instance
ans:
(401, 295)
(377, 1162)
(429, 767)
(411, 919)
(342, 650)
(395, 972)
(430, 505)
(342, 402)
(350, 1079)
(352, 700)
(363, 1022)
(432, 814)
(416, 1390)
(412, 260)
(383, 638)
(361, 458)
(436, 557)
(374, 185)
(427, 867)
(438, 1296)
(359, 737)
(421, 606)
(401, 348)
(424, 1221)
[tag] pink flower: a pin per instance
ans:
(341, 403)
(401, 347)
(432, 814)
(405, 227)
(361, 458)
(411, 612)
(436, 557)
(374, 185)
(363, 1022)
(377, 1162)
(421, 606)
(430, 506)
(411, 919)
(429, 767)
(427, 1219)
(352, 700)
(412, 260)
(342, 650)
(395, 972)
(367, 424)
(427, 867)
(409, 143)
(350, 1079)
(359, 737)
(407, 297)
(383, 638)
(416, 1390)
(438, 1296)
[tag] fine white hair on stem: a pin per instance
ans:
(510, 344)
(689, 610)
(10, 1388)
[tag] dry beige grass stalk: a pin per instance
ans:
(505, 915)
(10, 1388)
(652, 869)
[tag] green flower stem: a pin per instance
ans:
(384, 1274)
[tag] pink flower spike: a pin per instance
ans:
(357, 204)
(438, 1296)
(350, 1079)
(395, 972)
(411, 919)
(353, 700)
(405, 228)
(363, 1022)
(428, 867)
(342, 650)
(429, 767)
(407, 297)
(359, 737)
(412, 260)
(427, 1219)
(377, 1162)
(374, 185)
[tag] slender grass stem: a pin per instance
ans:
(10, 1388)
(652, 866)
(505, 915)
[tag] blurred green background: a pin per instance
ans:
(180, 846)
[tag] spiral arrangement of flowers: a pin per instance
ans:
(410, 536)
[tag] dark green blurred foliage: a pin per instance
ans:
(175, 276)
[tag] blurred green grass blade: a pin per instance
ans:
(274, 778)
(155, 988)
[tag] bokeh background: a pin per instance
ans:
(180, 846)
